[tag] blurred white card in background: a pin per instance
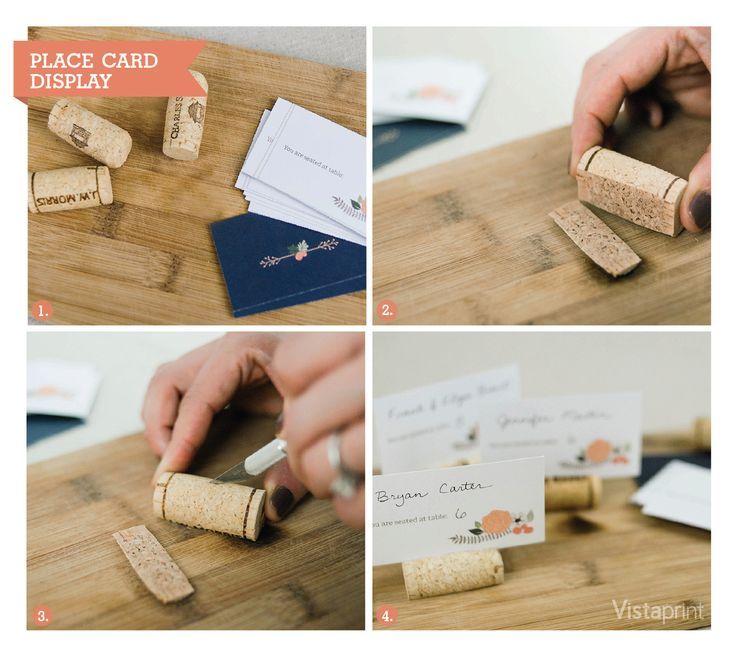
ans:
(60, 388)
(591, 434)
(437, 425)
(679, 492)
(434, 88)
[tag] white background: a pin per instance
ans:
(533, 76)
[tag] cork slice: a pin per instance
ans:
(153, 565)
(453, 572)
(595, 239)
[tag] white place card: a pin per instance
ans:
(59, 388)
(679, 492)
(592, 434)
(425, 513)
(314, 161)
(434, 88)
(437, 425)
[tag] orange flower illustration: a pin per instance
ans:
(598, 451)
(496, 521)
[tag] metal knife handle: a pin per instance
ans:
(266, 457)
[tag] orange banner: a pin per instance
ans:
(105, 68)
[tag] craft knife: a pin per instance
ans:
(254, 464)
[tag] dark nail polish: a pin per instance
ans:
(282, 499)
(279, 425)
(700, 209)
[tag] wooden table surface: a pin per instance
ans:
(470, 241)
(304, 572)
(589, 559)
(148, 258)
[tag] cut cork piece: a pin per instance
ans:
(199, 503)
(90, 133)
(561, 493)
(595, 239)
(153, 565)
(69, 188)
(448, 574)
(702, 434)
(639, 192)
(184, 124)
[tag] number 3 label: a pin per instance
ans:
(42, 616)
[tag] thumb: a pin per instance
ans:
(695, 204)
(283, 491)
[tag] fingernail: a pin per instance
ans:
(569, 161)
(161, 468)
(281, 500)
(700, 209)
(279, 426)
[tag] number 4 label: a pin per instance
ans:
(387, 615)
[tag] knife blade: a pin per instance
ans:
(255, 464)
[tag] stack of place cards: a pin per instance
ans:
(421, 100)
(59, 396)
(592, 434)
(60, 388)
(679, 492)
(308, 171)
(438, 89)
(426, 513)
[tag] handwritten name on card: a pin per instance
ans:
(593, 434)
(437, 425)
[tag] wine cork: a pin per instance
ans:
(638, 192)
(185, 124)
(153, 565)
(448, 574)
(200, 503)
(69, 188)
(562, 493)
(702, 434)
(595, 239)
(90, 133)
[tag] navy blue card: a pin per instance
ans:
(40, 426)
(391, 140)
(269, 264)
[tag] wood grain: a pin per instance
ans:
(590, 558)
(305, 572)
(470, 241)
(148, 258)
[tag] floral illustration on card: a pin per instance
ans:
(496, 524)
(597, 452)
(434, 92)
(298, 251)
(354, 207)
(50, 390)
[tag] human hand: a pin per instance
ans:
(184, 395)
(647, 69)
(322, 380)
